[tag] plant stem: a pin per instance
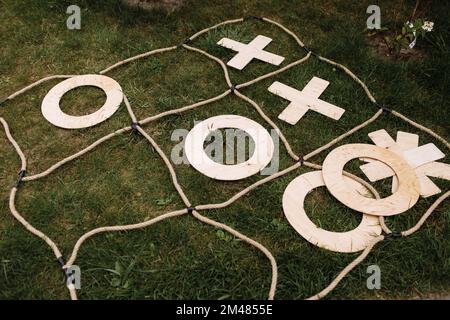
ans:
(414, 11)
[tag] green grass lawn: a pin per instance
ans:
(124, 181)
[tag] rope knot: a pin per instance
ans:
(20, 177)
(68, 273)
(185, 41)
(301, 160)
(233, 88)
(253, 18)
(134, 128)
(65, 270)
(383, 108)
(190, 210)
(309, 50)
(393, 235)
(386, 109)
(62, 262)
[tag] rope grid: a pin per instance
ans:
(300, 160)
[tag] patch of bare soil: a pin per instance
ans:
(381, 49)
(168, 5)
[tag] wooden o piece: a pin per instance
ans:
(404, 198)
(52, 112)
(197, 157)
(293, 207)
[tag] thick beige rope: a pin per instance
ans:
(153, 52)
(273, 284)
(29, 227)
(346, 270)
(140, 225)
(72, 292)
(76, 155)
(82, 239)
(421, 127)
(215, 27)
(212, 222)
(368, 249)
(31, 86)
(220, 62)
(168, 165)
(352, 75)
(129, 109)
(352, 176)
(269, 121)
(16, 146)
(183, 109)
(421, 221)
(248, 189)
(343, 136)
(118, 132)
(238, 195)
(274, 73)
(426, 215)
(13, 193)
(254, 104)
(139, 56)
(292, 34)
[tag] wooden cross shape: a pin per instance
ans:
(302, 101)
(422, 159)
(248, 52)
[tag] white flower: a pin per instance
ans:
(428, 26)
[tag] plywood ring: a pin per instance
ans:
(195, 153)
(293, 207)
(404, 198)
(52, 112)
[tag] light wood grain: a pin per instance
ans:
(403, 199)
(351, 241)
(307, 99)
(195, 153)
(436, 170)
(248, 52)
